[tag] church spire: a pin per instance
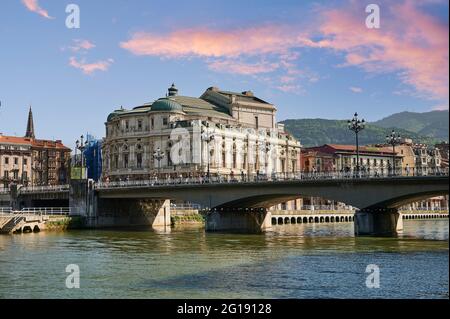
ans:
(30, 125)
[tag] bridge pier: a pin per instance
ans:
(378, 222)
(243, 220)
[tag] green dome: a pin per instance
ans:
(113, 114)
(166, 105)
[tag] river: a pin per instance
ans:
(292, 261)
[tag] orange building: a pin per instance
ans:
(30, 161)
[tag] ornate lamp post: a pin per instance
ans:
(81, 146)
(356, 126)
(158, 155)
(208, 137)
(393, 140)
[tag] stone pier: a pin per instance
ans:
(248, 221)
(378, 222)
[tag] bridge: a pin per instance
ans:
(242, 205)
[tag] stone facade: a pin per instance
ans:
(223, 133)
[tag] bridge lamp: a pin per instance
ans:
(208, 137)
(158, 155)
(356, 125)
(393, 139)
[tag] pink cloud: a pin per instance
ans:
(80, 44)
(90, 68)
(237, 67)
(33, 6)
(409, 42)
(200, 42)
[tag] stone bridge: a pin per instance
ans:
(243, 206)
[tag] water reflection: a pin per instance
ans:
(292, 261)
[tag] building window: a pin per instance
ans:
(125, 160)
(256, 122)
(5, 174)
(25, 161)
(139, 125)
(6, 160)
(152, 123)
(16, 161)
(223, 159)
(169, 159)
(16, 175)
(24, 176)
(127, 124)
(165, 121)
(139, 160)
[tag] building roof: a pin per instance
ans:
(33, 142)
(49, 144)
(193, 105)
(338, 148)
(15, 140)
(165, 105)
(189, 105)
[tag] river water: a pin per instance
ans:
(293, 261)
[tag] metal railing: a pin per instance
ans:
(185, 206)
(46, 210)
(41, 189)
(231, 178)
(35, 211)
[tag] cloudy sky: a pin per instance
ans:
(310, 58)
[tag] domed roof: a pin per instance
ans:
(166, 105)
(116, 112)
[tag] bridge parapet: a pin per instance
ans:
(244, 179)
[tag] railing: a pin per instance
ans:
(326, 207)
(185, 206)
(265, 178)
(46, 210)
(424, 209)
(35, 211)
(281, 212)
(41, 189)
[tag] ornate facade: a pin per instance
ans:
(220, 133)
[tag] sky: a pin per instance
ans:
(312, 59)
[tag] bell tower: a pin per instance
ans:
(30, 125)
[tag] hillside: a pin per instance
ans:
(314, 132)
(433, 124)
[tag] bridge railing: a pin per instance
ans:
(243, 178)
(42, 189)
(185, 206)
(46, 210)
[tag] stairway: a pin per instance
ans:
(12, 224)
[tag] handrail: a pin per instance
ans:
(34, 189)
(224, 179)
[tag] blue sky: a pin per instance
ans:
(312, 59)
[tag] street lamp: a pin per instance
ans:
(208, 137)
(393, 140)
(158, 155)
(356, 126)
(81, 146)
